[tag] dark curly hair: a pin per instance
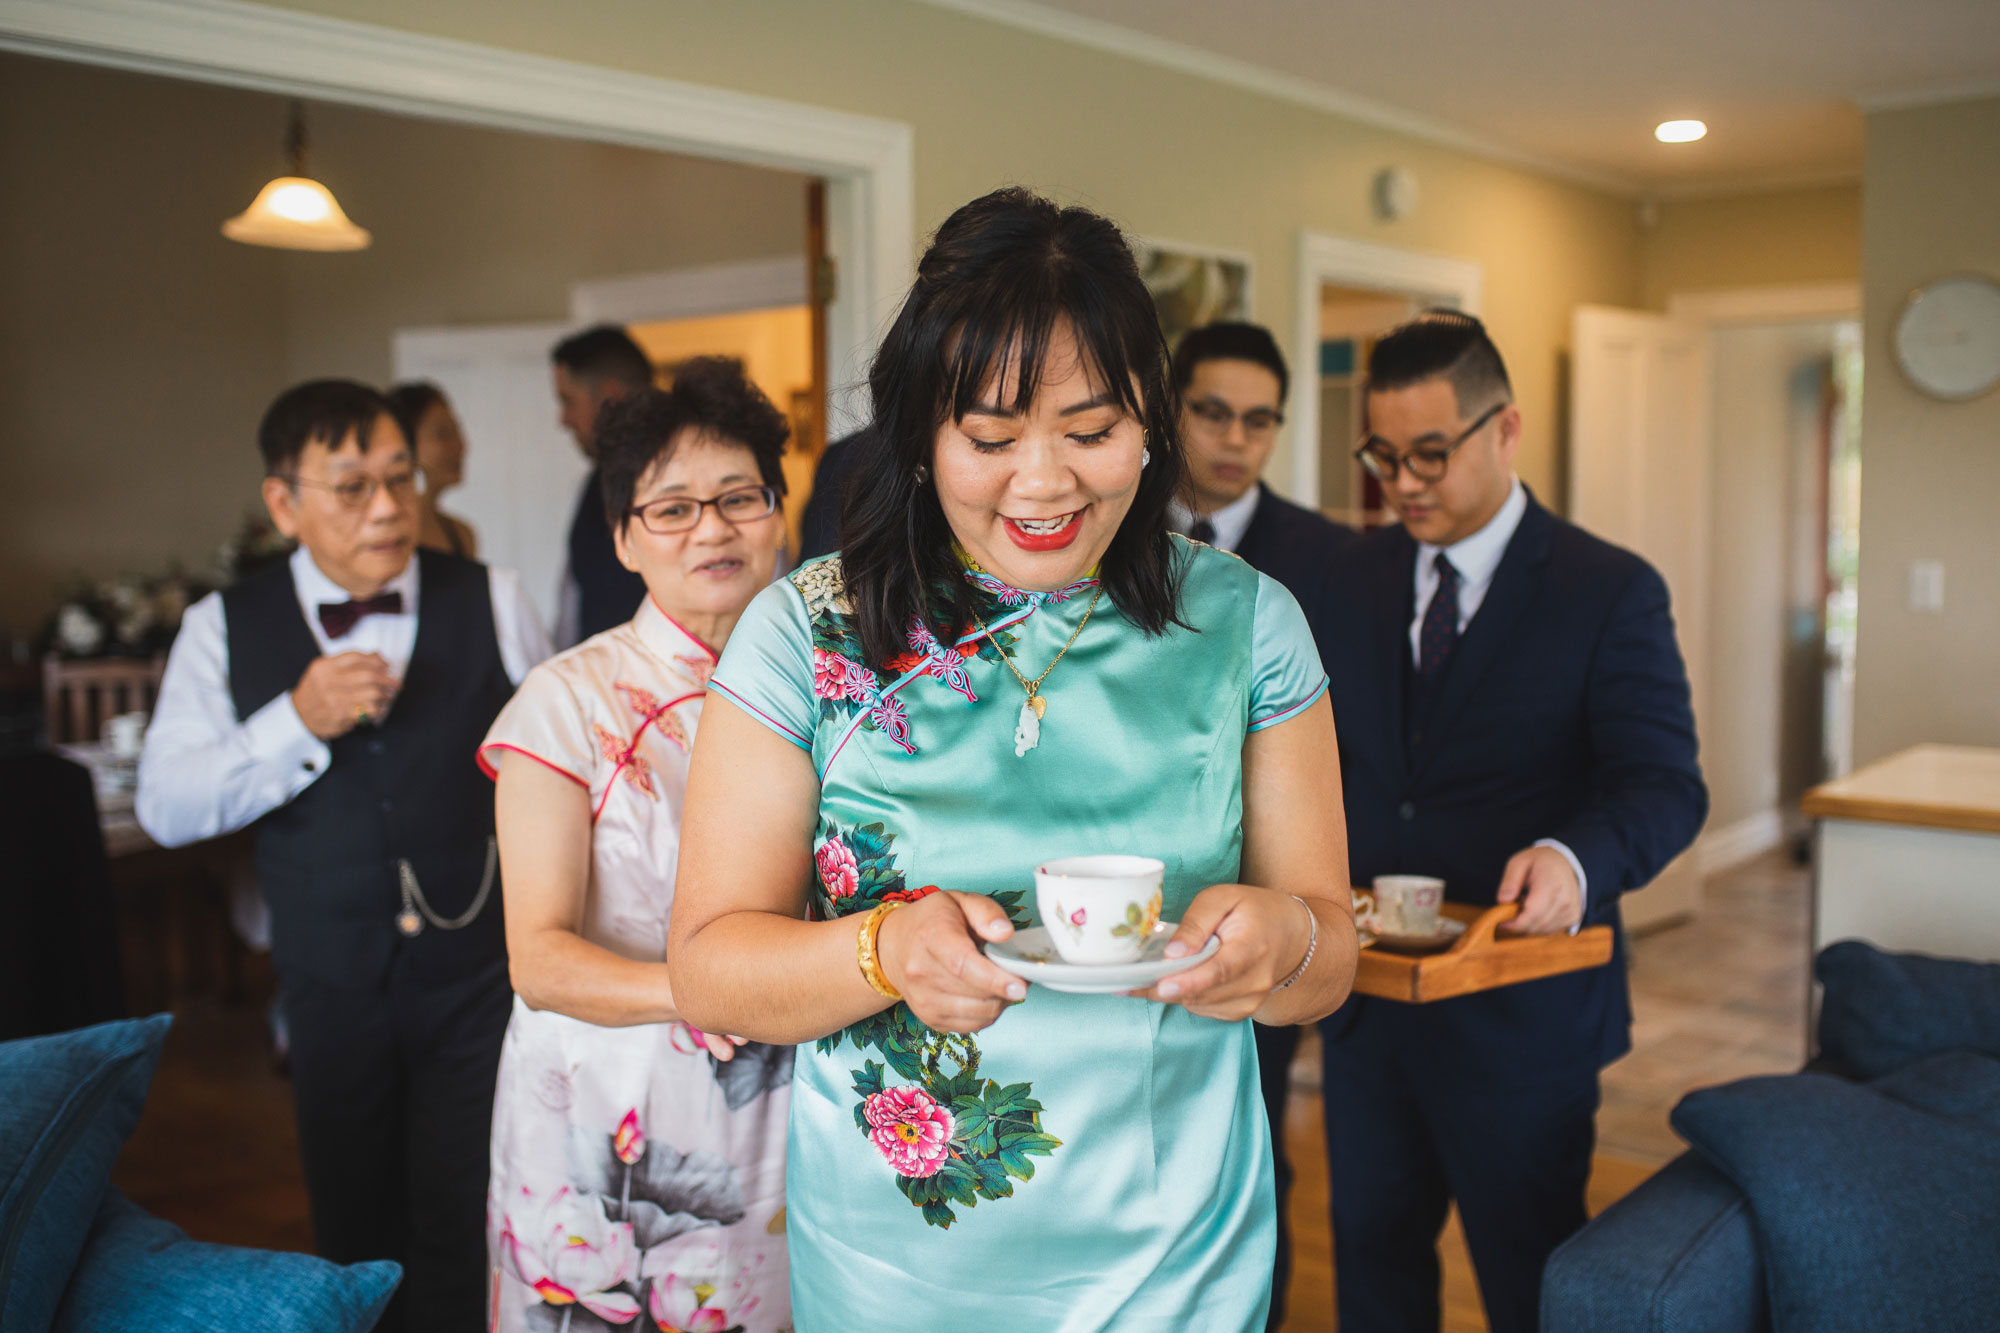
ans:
(710, 395)
(999, 276)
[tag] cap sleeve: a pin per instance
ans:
(545, 721)
(1285, 672)
(766, 667)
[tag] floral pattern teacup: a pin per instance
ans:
(1100, 909)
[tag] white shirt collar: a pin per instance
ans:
(1231, 521)
(315, 588)
(1478, 556)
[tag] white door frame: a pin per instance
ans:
(866, 161)
(1435, 279)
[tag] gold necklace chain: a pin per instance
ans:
(1033, 687)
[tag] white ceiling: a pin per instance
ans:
(1577, 85)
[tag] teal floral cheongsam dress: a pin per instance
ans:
(1088, 1161)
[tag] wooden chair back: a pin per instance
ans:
(79, 695)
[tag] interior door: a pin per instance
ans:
(522, 470)
(1639, 476)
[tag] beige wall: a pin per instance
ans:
(1764, 239)
(138, 348)
(1760, 735)
(1169, 156)
(1930, 470)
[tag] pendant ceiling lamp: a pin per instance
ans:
(296, 212)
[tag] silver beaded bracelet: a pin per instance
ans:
(1312, 945)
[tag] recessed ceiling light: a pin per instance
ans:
(1680, 131)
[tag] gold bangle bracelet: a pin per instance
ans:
(866, 956)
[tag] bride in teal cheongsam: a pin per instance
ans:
(1014, 661)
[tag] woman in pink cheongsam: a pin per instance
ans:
(638, 1163)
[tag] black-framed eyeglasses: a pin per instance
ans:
(357, 489)
(1217, 415)
(682, 513)
(1427, 464)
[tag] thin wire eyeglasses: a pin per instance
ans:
(1383, 462)
(1217, 415)
(357, 491)
(682, 513)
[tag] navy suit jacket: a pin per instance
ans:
(1564, 713)
(1291, 543)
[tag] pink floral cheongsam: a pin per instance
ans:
(638, 1183)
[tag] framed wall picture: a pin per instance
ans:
(1193, 285)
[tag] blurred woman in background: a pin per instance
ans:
(438, 444)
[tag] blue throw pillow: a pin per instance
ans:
(144, 1275)
(71, 1102)
(1882, 1011)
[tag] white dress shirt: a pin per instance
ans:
(1477, 559)
(203, 773)
(1231, 521)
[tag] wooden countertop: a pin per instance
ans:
(1932, 786)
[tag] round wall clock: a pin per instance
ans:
(1948, 337)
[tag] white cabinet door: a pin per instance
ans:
(522, 470)
(1639, 415)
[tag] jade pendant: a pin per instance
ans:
(1028, 730)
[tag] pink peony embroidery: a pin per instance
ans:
(837, 869)
(835, 677)
(911, 1129)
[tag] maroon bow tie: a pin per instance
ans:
(337, 618)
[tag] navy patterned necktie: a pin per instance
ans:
(1439, 633)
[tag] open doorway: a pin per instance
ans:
(1350, 320)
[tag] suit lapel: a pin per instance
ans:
(1395, 597)
(1252, 532)
(1515, 584)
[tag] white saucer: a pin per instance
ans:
(1032, 955)
(1448, 931)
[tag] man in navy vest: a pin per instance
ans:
(597, 366)
(1514, 719)
(1232, 381)
(335, 701)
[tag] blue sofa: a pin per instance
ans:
(76, 1256)
(1862, 1193)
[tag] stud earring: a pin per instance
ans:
(1145, 457)
(922, 474)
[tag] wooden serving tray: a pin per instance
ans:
(1479, 959)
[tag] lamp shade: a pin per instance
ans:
(296, 213)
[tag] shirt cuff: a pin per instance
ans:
(1582, 880)
(278, 737)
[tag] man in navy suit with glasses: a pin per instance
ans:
(1514, 719)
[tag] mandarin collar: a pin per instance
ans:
(673, 643)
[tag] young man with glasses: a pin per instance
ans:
(1514, 719)
(335, 702)
(1232, 381)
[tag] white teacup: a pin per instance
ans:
(125, 734)
(1407, 904)
(1100, 909)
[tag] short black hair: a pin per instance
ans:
(409, 401)
(604, 352)
(1447, 344)
(712, 395)
(1000, 276)
(1230, 340)
(324, 410)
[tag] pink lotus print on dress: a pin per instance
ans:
(910, 1128)
(569, 1253)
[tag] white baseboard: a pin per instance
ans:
(1720, 849)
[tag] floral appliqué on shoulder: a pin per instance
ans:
(949, 1136)
(845, 686)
